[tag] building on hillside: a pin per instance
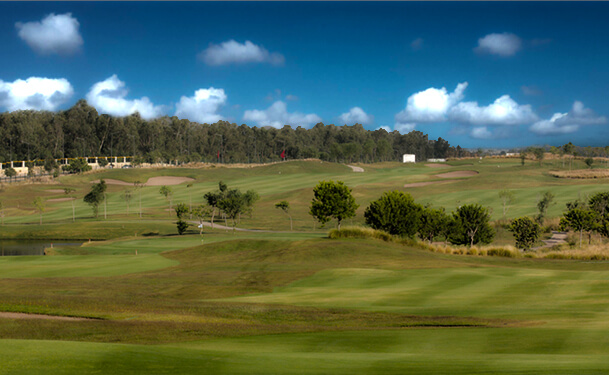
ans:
(408, 158)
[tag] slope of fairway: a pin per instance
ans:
(80, 266)
(472, 351)
(488, 292)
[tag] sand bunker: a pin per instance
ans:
(356, 169)
(457, 174)
(153, 181)
(438, 165)
(13, 315)
(60, 199)
(419, 184)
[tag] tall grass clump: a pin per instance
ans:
(360, 232)
(594, 252)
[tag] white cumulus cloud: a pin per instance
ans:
(385, 128)
(35, 93)
(277, 116)
(202, 107)
(430, 105)
(481, 132)
(404, 128)
(504, 45)
(503, 111)
(54, 34)
(565, 123)
(239, 53)
(108, 97)
(356, 115)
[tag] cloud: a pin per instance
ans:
(35, 93)
(291, 97)
(531, 90)
(277, 116)
(202, 107)
(385, 128)
(356, 115)
(109, 97)
(504, 45)
(430, 105)
(481, 132)
(234, 52)
(565, 123)
(503, 111)
(54, 34)
(404, 128)
(417, 44)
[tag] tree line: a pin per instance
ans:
(82, 132)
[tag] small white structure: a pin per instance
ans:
(408, 158)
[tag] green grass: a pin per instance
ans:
(295, 302)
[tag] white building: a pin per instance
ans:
(408, 158)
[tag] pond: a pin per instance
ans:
(30, 247)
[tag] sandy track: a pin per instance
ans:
(14, 315)
(153, 181)
(55, 191)
(438, 165)
(60, 199)
(419, 184)
(457, 174)
(356, 169)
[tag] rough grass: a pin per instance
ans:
(581, 173)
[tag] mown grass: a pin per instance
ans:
(295, 302)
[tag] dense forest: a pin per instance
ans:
(81, 132)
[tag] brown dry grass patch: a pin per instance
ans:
(581, 173)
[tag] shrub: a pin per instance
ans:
(395, 213)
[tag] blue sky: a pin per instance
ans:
(478, 74)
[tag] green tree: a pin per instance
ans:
(233, 204)
(285, 207)
(525, 231)
(569, 149)
(250, 197)
(471, 226)
(181, 211)
(432, 223)
(578, 218)
(40, 206)
(77, 166)
(2, 212)
(332, 200)
(395, 212)
(546, 200)
(599, 203)
(507, 198)
(10, 172)
(201, 212)
(589, 162)
(69, 193)
(167, 192)
(213, 198)
(102, 162)
(96, 196)
(539, 154)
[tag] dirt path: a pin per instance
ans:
(356, 169)
(14, 315)
(60, 199)
(558, 238)
(229, 228)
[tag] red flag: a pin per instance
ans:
(218, 154)
(283, 154)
